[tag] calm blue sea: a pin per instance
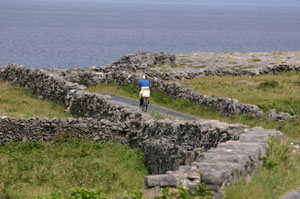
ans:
(66, 33)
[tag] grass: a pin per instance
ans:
(291, 128)
(280, 174)
(254, 60)
(18, 102)
(200, 66)
(285, 96)
(164, 70)
(176, 65)
(250, 67)
(159, 116)
(33, 168)
(235, 67)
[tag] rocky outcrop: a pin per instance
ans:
(143, 60)
(187, 75)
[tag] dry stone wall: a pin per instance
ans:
(131, 63)
(227, 106)
(187, 75)
(229, 163)
(41, 82)
(33, 129)
(169, 144)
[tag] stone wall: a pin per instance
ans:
(187, 75)
(229, 163)
(41, 82)
(169, 144)
(166, 144)
(227, 106)
(32, 129)
(130, 63)
(98, 106)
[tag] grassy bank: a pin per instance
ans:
(290, 128)
(32, 168)
(18, 102)
(280, 91)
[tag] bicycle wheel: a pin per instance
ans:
(145, 104)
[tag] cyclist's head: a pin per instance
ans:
(144, 76)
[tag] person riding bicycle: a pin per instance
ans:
(144, 86)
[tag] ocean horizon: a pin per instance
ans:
(66, 34)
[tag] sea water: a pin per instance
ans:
(67, 33)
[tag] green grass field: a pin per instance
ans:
(18, 102)
(34, 168)
(280, 91)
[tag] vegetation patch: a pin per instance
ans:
(20, 103)
(163, 70)
(181, 192)
(32, 169)
(176, 65)
(278, 91)
(254, 59)
(250, 67)
(159, 116)
(268, 84)
(280, 174)
(200, 66)
(235, 67)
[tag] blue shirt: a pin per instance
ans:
(144, 83)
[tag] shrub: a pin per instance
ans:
(138, 194)
(254, 60)
(181, 192)
(268, 84)
(278, 153)
(80, 193)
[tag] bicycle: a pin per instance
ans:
(145, 102)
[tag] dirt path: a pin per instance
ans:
(134, 104)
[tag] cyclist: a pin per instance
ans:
(144, 86)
